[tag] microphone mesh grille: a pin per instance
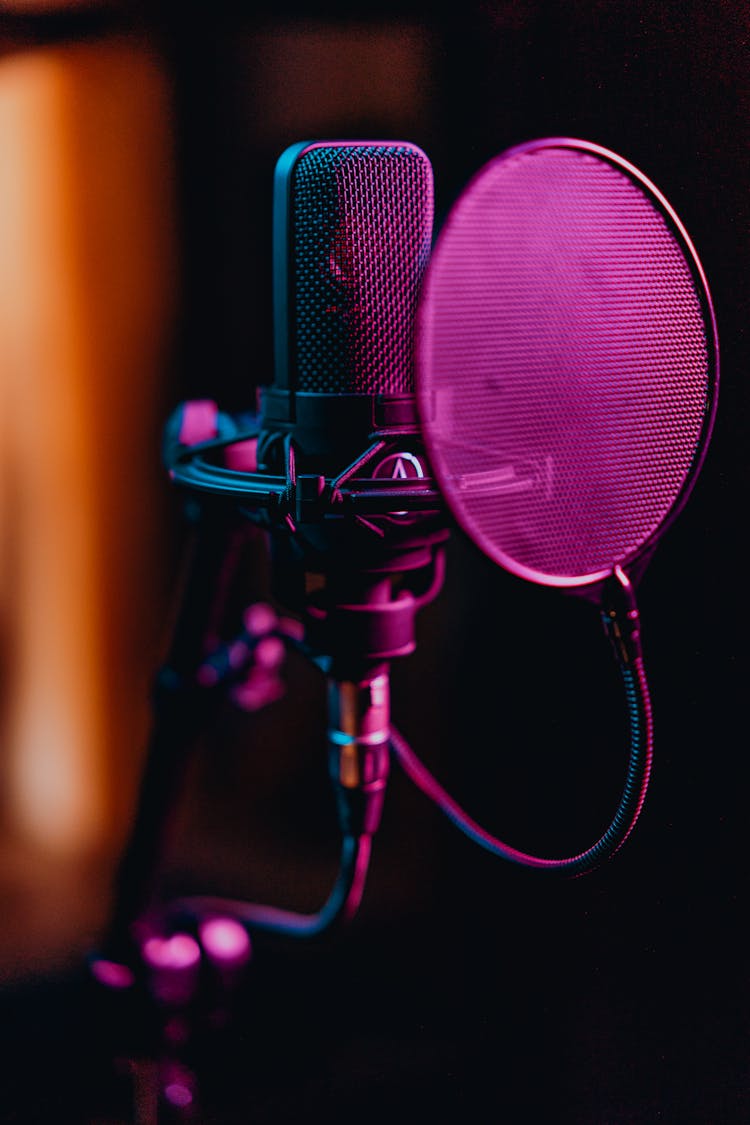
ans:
(566, 361)
(361, 228)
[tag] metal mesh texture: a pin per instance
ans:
(361, 230)
(566, 361)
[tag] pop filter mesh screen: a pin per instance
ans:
(566, 361)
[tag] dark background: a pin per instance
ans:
(466, 989)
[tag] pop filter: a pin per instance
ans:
(567, 362)
(566, 380)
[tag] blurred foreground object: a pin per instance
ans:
(87, 295)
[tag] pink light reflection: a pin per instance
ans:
(242, 456)
(178, 1094)
(113, 975)
(180, 951)
(225, 941)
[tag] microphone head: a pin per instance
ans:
(352, 232)
(566, 362)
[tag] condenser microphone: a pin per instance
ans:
(352, 235)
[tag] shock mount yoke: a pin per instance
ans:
(356, 554)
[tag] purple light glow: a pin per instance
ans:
(291, 628)
(238, 654)
(242, 456)
(198, 421)
(178, 952)
(258, 690)
(207, 676)
(269, 653)
(178, 1094)
(174, 962)
(225, 942)
(113, 975)
(259, 619)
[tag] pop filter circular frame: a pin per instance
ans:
(567, 362)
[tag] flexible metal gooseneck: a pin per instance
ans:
(621, 620)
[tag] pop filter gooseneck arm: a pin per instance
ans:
(621, 621)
